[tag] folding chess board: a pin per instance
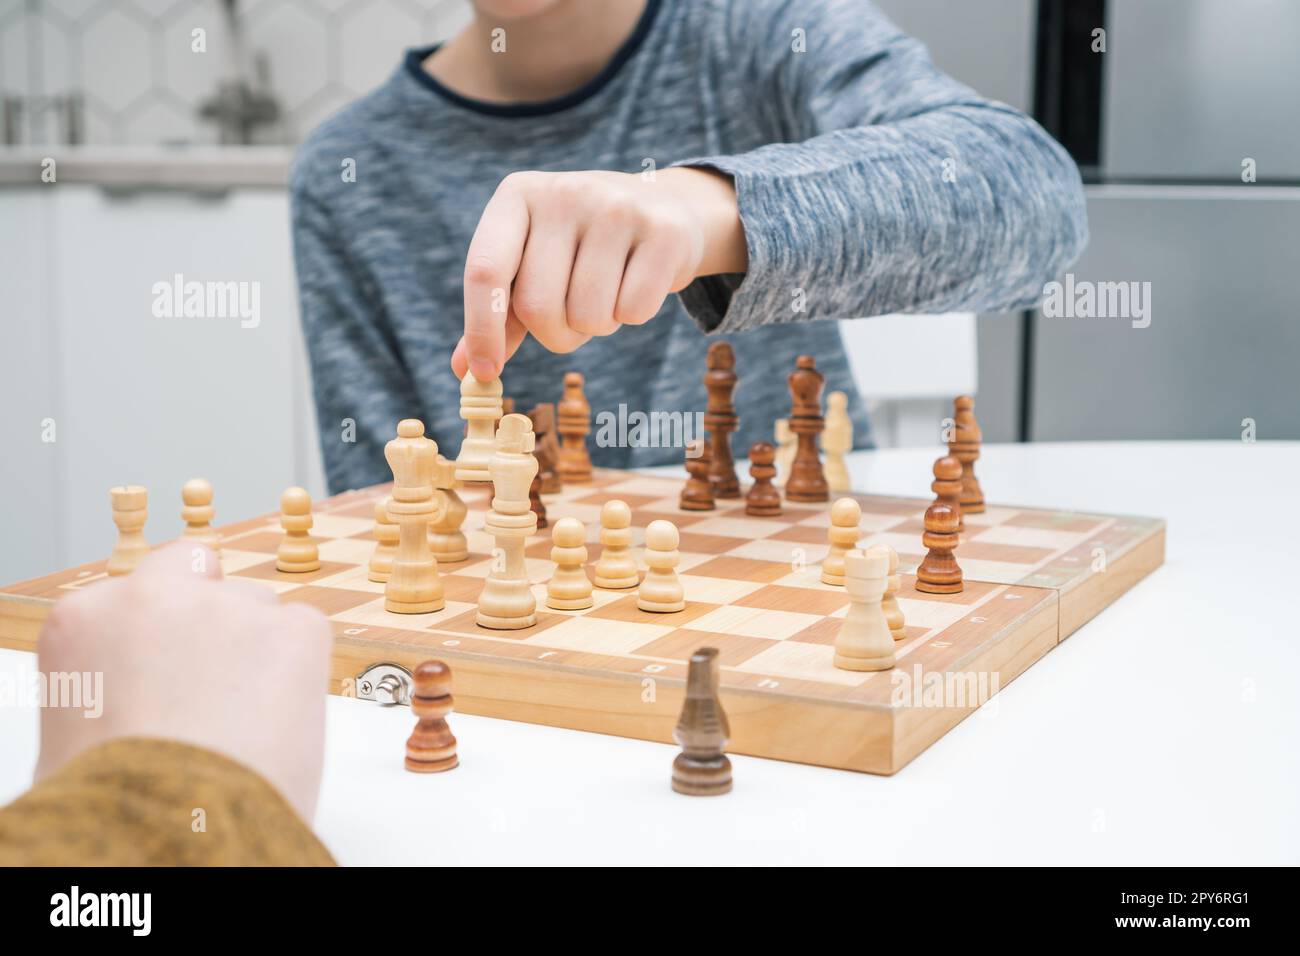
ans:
(1033, 577)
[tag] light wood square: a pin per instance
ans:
(353, 579)
(598, 637)
(233, 561)
(683, 642)
(339, 526)
(804, 661)
(599, 598)
(931, 615)
(997, 572)
(373, 614)
(745, 528)
(743, 569)
(1030, 537)
(804, 600)
(754, 622)
(781, 552)
(643, 485)
(347, 550)
(902, 543)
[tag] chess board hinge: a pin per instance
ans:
(385, 683)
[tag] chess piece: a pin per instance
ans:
(785, 449)
(506, 602)
(938, 572)
(720, 419)
(130, 510)
(763, 499)
(702, 768)
(535, 503)
(386, 534)
(893, 584)
(569, 588)
(616, 570)
(806, 482)
(661, 591)
(297, 552)
(865, 642)
(697, 493)
(574, 422)
(413, 585)
(431, 748)
(837, 440)
(446, 540)
(947, 486)
(843, 534)
(480, 406)
(546, 448)
(965, 447)
(197, 513)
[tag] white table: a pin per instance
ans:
(1163, 732)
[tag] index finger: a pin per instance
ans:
(490, 267)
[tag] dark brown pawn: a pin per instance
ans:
(965, 447)
(697, 493)
(535, 503)
(431, 748)
(702, 768)
(947, 486)
(807, 482)
(545, 448)
(763, 499)
(938, 572)
(720, 418)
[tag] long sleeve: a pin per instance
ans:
(146, 802)
(891, 187)
(360, 384)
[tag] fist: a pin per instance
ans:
(188, 656)
(566, 256)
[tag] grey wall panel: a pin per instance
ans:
(1224, 339)
(1195, 86)
(988, 44)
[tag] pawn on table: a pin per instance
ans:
(763, 499)
(297, 552)
(130, 511)
(947, 486)
(702, 768)
(865, 642)
(843, 534)
(938, 572)
(616, 569)
(431, 748)
(661, 592)
(386, 534)
(197, 513)
(569, 588)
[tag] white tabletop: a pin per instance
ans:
(1163, 732)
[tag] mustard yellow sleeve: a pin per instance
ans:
(145, 802)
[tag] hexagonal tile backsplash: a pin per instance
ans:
(140, 82)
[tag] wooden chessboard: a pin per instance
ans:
(1033, 577)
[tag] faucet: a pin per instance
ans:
(240, 106)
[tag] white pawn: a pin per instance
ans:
(480, 406)
(297, 552)
(616, 569)
(843, 536)
(661, 591)
(787, 443)
(893, 584)
(197, 514)
(130, 510)
(569, 588)
(387, 533)
(837, 440)
(864, 642)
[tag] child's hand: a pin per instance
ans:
(188, 656)
(565, 256)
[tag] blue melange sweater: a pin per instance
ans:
(868, 183)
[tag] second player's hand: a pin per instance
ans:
(567, 256)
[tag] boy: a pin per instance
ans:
(825, 170)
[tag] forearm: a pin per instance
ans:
(969, 207)
(148, 802)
